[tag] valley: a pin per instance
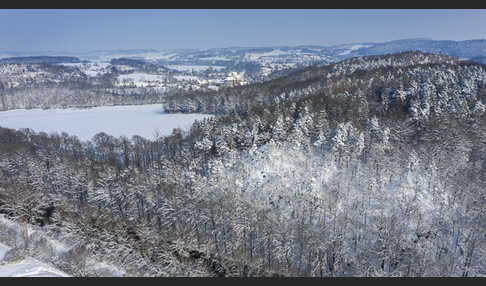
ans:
(346, 163)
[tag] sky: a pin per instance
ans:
(88, 30)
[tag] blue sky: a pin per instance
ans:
(82, 30)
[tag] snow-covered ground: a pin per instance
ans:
(142, 79)
(353, 48)
(26, 267)
(128, 120)
(90, 69)
(256, 56)
(136, 77)
(29, 267)
(78, 65)
(186, 77)
(216, 58)
(196, 68)
(3, 251)
(43, 249)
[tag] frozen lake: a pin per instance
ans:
(125, 120)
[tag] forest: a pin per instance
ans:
(372, 166)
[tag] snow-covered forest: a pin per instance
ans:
(373, 166)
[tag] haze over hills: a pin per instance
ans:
(461, 49)
(39, 60)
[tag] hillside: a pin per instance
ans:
(461, 49)
(387, 81)
(39, 60)
(148, 76)
(479, 59)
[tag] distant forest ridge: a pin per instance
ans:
(40, 60)
(463, 49)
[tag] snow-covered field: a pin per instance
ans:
(256, 56)
(126, 120)
(353, 48)
(196, 68)
(216, 58)
(186, 77)
(141, 77)
(90, 69)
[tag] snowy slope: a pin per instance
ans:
(353, 48)
(29, 267)
(3, 251)
(44, 247)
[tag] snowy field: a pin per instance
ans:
(186, 77)
(141, 77)
(196, 68)
(353, 48)
(128, 120)
(256, 56)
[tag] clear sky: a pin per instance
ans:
(82, 30)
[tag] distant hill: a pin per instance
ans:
(40, 60)
(137, 64)
(480, 59)
(462, 49)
